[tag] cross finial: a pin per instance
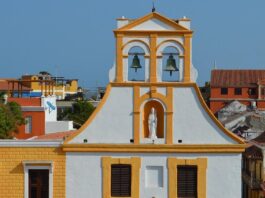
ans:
(153, 9)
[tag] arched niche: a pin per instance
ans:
(160, 113)
(127, 50)
(161, 48)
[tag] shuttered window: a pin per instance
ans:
(120, 180)
(187, 181)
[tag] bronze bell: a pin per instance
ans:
(136, 63)
(171, 65)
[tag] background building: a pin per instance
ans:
(44, 83)
(245, 86)
(40, 114)
(254, 168)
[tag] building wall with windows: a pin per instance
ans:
(17, 157)
(154, 176)
(35, 122)
(41, 117)
(245, 86)
(46, 84)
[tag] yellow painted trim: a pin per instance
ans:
(156, 84)
(119, 62)
(187, 19)
(154, 95)
(187, 58)
(201, 164)
(216, 121)
(155, 148)
(164, 19)
(135, 163)
(169, 116)
(136, 40)
(166, 100)
(186, 84)
(144, 33)
(170, 40)
(153, 66)
(136, 115)
(122, 19)
(92, 117)
(138, 101)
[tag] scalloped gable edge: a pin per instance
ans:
(202, 102)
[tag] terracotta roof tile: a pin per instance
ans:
(236, 78)
(55, 136)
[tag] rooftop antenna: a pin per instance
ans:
(153, 9)
(214, 65)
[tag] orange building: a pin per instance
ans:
(34, 115)
(245, 86)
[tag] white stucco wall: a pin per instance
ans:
(84, 174)
(58, 126)
(49, 104)
(153, 24)
(191, 123)
(114, 122)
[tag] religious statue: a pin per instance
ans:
(152, 124)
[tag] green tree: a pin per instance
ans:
(80, 112)
(10, 118)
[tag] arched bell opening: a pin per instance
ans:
(159, 111)
(136, 64)
(170, 64)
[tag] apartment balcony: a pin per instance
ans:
(252, 182)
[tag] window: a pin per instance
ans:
(224, 91)
(187, 181)
(38, 179)
(28, 126)
(120, 180)
(121, 177)
(187, 177)
(252, 91)
(38, 183)
(238, 91)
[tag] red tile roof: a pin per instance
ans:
(236, 78)
(55, 136)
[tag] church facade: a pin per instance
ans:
(153, 135)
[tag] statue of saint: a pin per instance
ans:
(152, 124)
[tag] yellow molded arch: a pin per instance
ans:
(171, 43)
(138, 43)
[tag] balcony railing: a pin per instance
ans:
(252, 182)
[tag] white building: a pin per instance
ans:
(193, 154)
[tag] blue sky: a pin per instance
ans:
(74, 38)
